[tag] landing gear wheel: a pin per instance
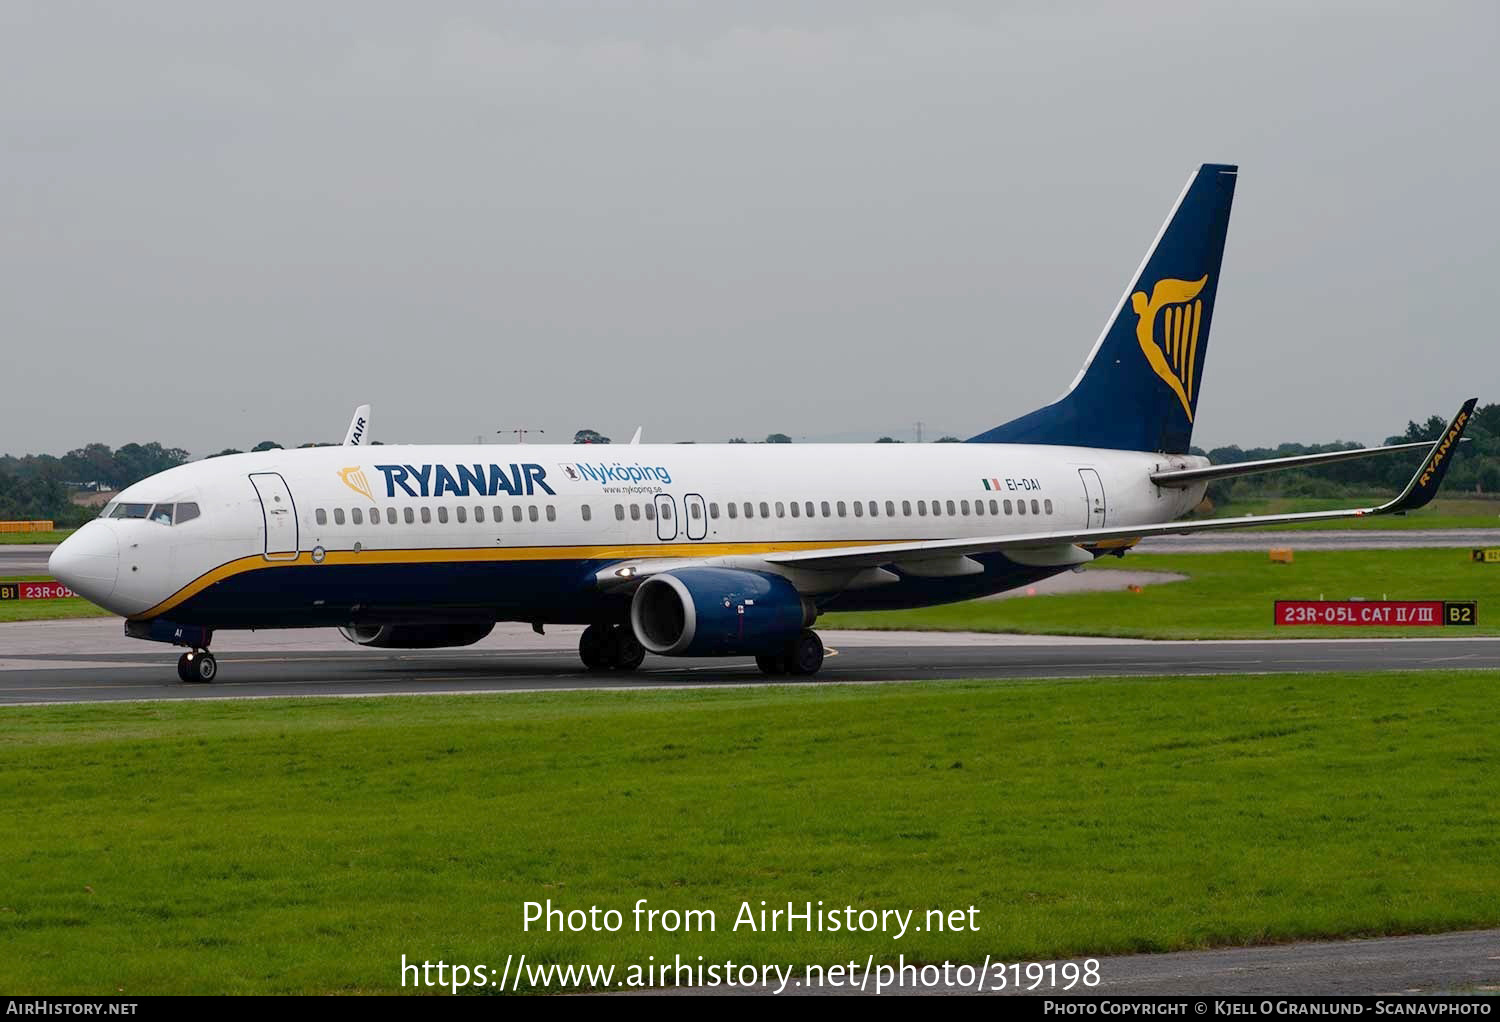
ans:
(594, 647)
(772, 665)
(627, 649)
(804, 654)
(197, 667)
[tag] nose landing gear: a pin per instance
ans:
(197, 666)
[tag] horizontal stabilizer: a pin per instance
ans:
(1188, 476)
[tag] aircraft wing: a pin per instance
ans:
(947, 555)
(1421, 489)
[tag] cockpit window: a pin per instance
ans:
(108, 509)
(162, 514)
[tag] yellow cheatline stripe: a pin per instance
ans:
(462, 555)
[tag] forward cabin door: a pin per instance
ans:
(280, 515)
(666, 517)
(1093, 491)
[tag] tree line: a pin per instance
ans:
(40, 486)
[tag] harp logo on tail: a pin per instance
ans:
(354, 478)
(1171, 351)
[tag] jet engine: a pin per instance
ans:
(718, 612)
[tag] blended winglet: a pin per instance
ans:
(1424, 484)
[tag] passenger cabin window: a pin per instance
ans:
(374, 516)
(922, 508)
(952, 510)
(1007, 507)
(619, 512)
(859, 510)
(587, 512)
(780, 509)
(531, 512)
(796, 509)
(906, 508)
(650, 512)
(635, 512)
(443, 516)
(409, 514)
(994, 508)
(479, 513)
(515, 512)
(874, 509)
(427, 516)
(749, 510)
(964, 506)
(765, 510)
(390, 516)
(338, 516)
(321, 516)
(462, 513)
(1035, 508)
(713, 510)
(1047, 504)
(827, 511)
(843, 511)
(666, 512)
(696, 511)
(551, 512)
(357, 516)
(1020, 507)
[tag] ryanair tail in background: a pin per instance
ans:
(1138, 391)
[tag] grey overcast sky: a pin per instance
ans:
(222, 223)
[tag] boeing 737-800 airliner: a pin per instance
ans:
(695, 550)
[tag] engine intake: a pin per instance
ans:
(718, 612)
(426, 636)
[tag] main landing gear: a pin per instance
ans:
(610, 648)
(800, 657)
(198, 665)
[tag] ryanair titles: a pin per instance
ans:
(465, 480)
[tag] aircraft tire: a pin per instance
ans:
(198, 667)
(594, 647)
(804, 654)
(771, 665)
(627, 649)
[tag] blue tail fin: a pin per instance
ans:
(1138, 391)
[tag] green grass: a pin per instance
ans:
(27, 538)
(1227, 596)
(46, 610)
(1442, 513)
(304, 846)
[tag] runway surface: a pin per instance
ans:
(31, 559)
(90, 660)
(1443, 963)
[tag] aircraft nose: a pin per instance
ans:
(88, 562)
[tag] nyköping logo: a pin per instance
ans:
(354, 478)
(1171, 351)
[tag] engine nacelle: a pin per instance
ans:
(718, 612)
(426, 636)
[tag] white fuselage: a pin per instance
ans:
(405, 526)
